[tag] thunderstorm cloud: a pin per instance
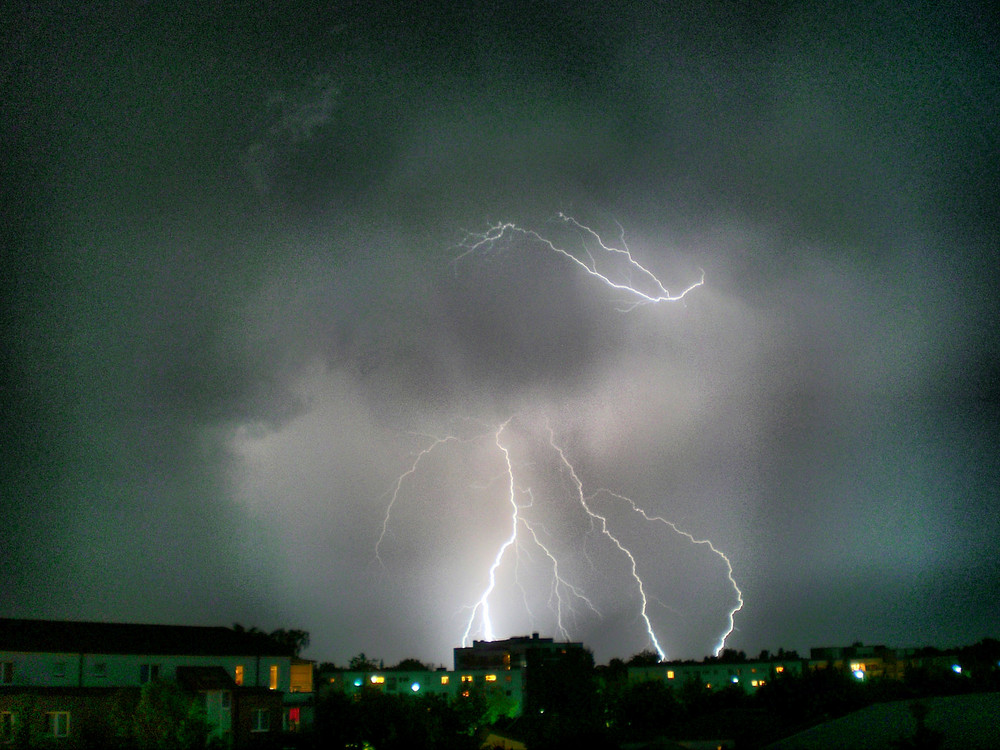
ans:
(239, 300)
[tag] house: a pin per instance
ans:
(76, 680)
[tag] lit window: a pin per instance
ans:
(6, 726)
(753, 683)
(708, 685)
(273, 682)
(57, 723)
(147, 672)
(466, 678)
(261, 720)
(444, 679)
(779, 669)
(465, 693)
(6, 672)
(491, 678)
(239, 674)
(377, 679)
(670, 674)
(857, 666)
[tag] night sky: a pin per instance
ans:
(237, 304)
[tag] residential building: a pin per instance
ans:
(511, 653)
(715, 675)
(504, 688)
(502, 670)
(66, 678)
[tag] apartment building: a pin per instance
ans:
(73, 680)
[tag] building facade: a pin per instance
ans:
(712, 675)
(76, 680)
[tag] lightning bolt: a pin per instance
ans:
(603, 522)
(591, 241)
(524, 533)
(482, 607)
(706, 542)
(559, 601)
(556, 599)
(595, 257)
(436, 442)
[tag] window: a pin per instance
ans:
(466, 678)
(59, 669)
(491, 678)
(6, 672)
(444, 679)
(6, 726)
(148, 672)
(100, 669)
(261, 720)
(239, 674)
(57, 723)
(670, 674)
(227, 700)
(273, 684)
(294, 719)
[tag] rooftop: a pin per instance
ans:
(70, 636)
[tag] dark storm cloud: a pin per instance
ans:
(232, 301)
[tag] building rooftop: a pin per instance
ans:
(71, 636)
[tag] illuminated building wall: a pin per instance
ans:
(748, 675)
(508, 685)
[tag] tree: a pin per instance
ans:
(646, 658)
(362, 663)
(387, 722)
(167, 718)
(646, 710)
(294, 640)
(561, 706)
(410, 665)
